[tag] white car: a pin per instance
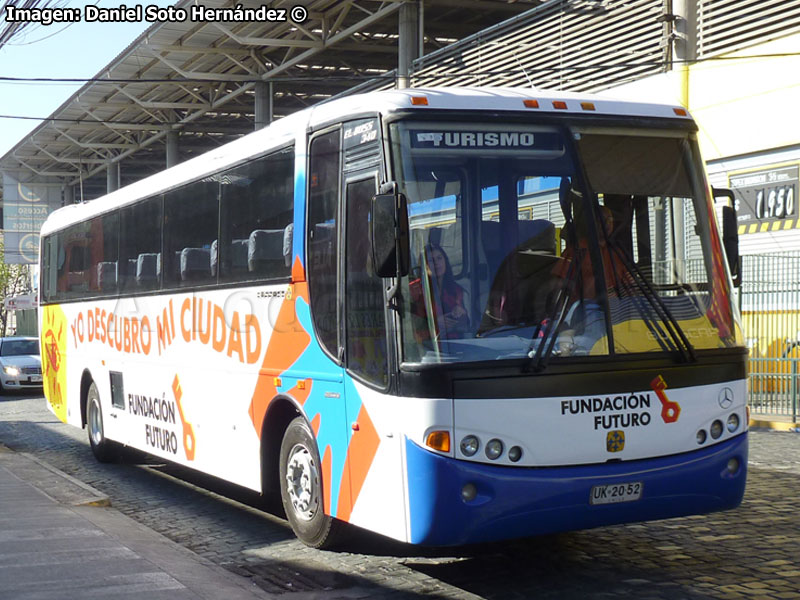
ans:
(20, 363)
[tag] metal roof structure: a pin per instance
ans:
(198, 79)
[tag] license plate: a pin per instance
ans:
(35, 379)
(616, 492)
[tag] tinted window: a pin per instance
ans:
(73, 261)
(47, 277)
(140, 246)
(191, 227)
(256, 214)
(323, 244)
(103, 256)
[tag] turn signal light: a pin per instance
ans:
(531, 103)
(559, 104)
(439, 440)
(681, 112)
(419, 100)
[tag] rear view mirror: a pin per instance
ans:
(390, 247)
(730, 234)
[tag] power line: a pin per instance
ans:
(14, 29)
(322, 77)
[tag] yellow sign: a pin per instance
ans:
(54, 359)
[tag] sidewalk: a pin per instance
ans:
(61, 539)
(774, 422)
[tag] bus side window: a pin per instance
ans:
(191, 224)
(322, 259)
(140, 246)
(256, 209)
(103, 254)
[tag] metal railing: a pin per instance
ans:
(774, 386)
(770, 303)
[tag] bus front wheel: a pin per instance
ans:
(102, 448)
(301, 487)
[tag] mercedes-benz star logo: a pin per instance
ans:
(725, 398)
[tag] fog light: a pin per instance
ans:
(469, 492)
(494, 449)
(716, 429)
(701, 436)
(733, 422)
(470, 445)
(733, 466)
(514, 453)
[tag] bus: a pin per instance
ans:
(446, 316)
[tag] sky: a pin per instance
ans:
(78, 50)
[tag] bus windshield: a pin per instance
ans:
(553, 242)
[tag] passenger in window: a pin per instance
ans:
(447, 297)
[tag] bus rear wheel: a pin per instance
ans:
(104, 450)
(301, 488)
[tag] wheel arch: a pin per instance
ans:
(86, 381)
(282, 410)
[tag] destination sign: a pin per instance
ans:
(485, 140)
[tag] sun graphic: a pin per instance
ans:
(54, 359)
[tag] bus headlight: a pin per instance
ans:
(470, 445)
(701, 436)
(733, 422)
(494, 448)
(514, 453)
(716, 429)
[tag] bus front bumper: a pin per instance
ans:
(521, 502)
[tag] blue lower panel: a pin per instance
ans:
(520, 502)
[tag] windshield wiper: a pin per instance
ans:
(673, 329)
(549, 333)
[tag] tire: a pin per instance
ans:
(301, 488)
(104, 450)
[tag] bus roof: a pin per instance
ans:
(282, 133)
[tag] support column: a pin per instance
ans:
(408, 47)
(172, 149)
(69, 195)
(684, 42)
(263, 104)
(112, 177)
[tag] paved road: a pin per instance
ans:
(752, 552)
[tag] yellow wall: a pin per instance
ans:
(747, 105)
(741, 104)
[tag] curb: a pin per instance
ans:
(93, 496)
(775, 425)
(76, 493)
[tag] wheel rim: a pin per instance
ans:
(302, 482)
(95, 422)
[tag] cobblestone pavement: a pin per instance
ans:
(752, 552)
